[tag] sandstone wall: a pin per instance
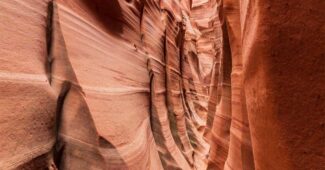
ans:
(162, 84)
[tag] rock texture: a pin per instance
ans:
(162, 84)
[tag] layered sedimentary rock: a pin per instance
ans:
(162, 84)
(273, 122)
(28, 103)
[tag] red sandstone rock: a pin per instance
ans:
(27, 103)
(284, 77)
(162, 84)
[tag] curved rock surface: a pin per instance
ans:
(162, 84)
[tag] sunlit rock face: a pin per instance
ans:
(162, 84)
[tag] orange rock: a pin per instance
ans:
(162, 84)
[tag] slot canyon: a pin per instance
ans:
(162, 84)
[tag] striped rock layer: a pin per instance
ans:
(162, 84)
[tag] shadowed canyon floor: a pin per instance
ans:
(162, 84)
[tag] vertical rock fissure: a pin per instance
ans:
(59, 147)
(151, 87)
(171, 114)
(49, 32)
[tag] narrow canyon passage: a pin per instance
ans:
(162, 84)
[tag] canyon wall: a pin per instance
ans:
(162, 84)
